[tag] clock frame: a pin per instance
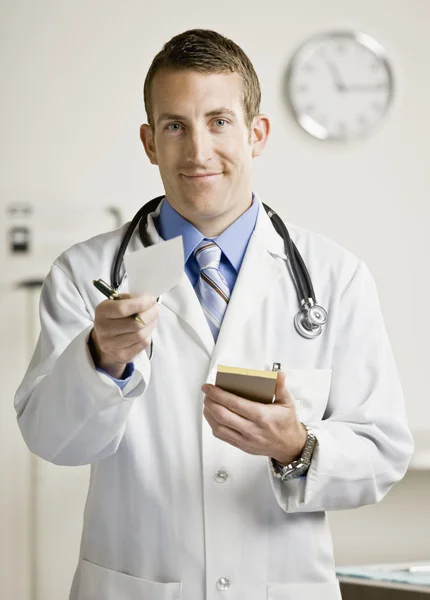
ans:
(340, 85)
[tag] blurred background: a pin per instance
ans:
(72, 165)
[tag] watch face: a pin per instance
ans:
(297, 471)
(340, 85)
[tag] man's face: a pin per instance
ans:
(201, 144)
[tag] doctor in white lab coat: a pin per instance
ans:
(183, 502)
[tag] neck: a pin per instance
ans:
(211, 225)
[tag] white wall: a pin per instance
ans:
(72, 76)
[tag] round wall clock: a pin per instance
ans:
(340, 85)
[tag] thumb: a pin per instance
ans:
(282, 395)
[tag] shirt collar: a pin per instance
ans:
(233, 241)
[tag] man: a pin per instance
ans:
(186, 499)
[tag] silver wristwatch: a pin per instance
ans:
(298, 467)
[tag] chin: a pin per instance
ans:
(204, 203)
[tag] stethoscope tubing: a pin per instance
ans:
(140, 217)
(300, 275)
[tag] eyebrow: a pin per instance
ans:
(212, 113)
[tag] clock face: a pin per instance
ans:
(340, 85)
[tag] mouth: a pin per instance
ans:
(201, 176)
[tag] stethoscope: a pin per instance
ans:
(311, 316)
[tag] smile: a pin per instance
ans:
(206, 177)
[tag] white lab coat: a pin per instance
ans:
(158, 525)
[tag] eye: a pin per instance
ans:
(176, 126)
(223, 122)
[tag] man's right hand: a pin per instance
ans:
(117, 337)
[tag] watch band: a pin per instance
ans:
(298, 467)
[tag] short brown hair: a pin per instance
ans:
(206, 51)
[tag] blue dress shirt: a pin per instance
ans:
(233, 241)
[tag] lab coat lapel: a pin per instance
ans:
(183, 300)
(258, 274)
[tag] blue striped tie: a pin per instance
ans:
(211, 287)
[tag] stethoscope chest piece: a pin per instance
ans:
(304, 327)
(309, 320)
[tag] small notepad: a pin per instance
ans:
(252, 384)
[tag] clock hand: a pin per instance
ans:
(366, 88)
(340, 85)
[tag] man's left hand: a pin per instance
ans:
(256, 428)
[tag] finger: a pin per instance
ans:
(125, 307)
(282, 394)
(227, 434)
(223, 416)
(127, 340)
(253, 411)
(127, 355)
(150, 315)
(114, 327)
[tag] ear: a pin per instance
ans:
(147, 138)
(260, 131)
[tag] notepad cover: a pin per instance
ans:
(251, 384)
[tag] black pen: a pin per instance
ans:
(112, 294)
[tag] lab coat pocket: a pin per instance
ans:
(304, 591)
(310, 389)
(99, 583)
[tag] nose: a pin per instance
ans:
(198, 146)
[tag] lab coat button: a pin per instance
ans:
(221, 476)
(223, 583)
